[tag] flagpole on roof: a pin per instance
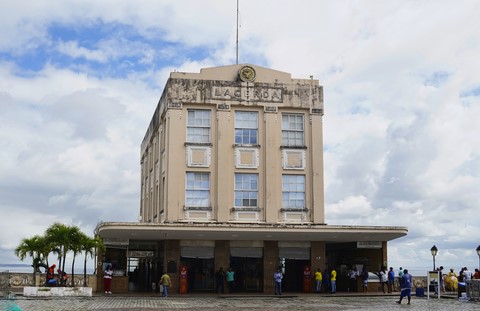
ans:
(237, 31)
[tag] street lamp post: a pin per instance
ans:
(478, 253)
(434, 251)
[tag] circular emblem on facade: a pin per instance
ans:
(247, 74)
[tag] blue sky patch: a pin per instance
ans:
(474, 91)
(437, 78)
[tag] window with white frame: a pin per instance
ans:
(246, 127)
(292, 129)
(198, 126)
(197, 190)
(246, 190)
(293, 191)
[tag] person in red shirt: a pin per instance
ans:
(476, 275)
(50, 279)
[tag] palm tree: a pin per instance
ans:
(90, 246)
(62, 238)
(56, 236)
(32, 247)
(74, 245)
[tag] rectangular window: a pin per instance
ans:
(198, 126)
(197, 190)
(246, 190)
(292, 129)
(246, 127)
(293, 191)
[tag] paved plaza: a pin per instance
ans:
(212, 302)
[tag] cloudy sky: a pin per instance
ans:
(79, 81)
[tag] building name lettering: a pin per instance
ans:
(253, 94)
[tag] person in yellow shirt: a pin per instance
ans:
(333, 280)
(318, 280)
(166, 282)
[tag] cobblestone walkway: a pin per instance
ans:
(214, 303)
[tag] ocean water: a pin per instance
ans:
(24, 268)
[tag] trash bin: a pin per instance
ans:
(419, 292)
(462, 288)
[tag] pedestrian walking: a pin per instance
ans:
(406, 286)
(166, 282)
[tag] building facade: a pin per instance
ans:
(232, 177)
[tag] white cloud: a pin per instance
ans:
(72, 49)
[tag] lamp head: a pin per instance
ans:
(434, 250)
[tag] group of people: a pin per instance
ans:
(165, 281)
(60, 280)
(387, 279)
(466, 275)
(450, 280)
(326, 282)
(221, 276)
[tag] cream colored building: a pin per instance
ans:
(232, 176)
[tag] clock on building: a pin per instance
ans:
(247, 74)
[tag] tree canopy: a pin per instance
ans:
(58, 239)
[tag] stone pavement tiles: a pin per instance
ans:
(215, 303)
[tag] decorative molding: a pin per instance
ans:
(246, 216)
(198, 156)
(298, 217)
(174, 105)
(246, 157)
(270, 109)
(199, 215)
(293, 159)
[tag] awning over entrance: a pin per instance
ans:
(124, 231)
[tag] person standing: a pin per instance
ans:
(230, 275)
(277, 278)
(441, 280)
(333, 281)
(107, 279)
(166, 282)
(353, 275)
(468, 274)
(476, 275)
(318, 280)
(400, 274)
(326, 281)
(391, 280)
(220, 279)
(406, 286)
(384, 278)
(364, 277)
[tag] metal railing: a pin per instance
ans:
(473, 289)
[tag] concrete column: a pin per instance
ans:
(222, 255)
(318, 255)
(222, 166)
(272, 168)
(270, 265)
(172, 254)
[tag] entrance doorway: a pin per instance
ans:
(248, 273)
(200, 273)
(293, 278)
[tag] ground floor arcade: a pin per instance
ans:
(139, 254)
